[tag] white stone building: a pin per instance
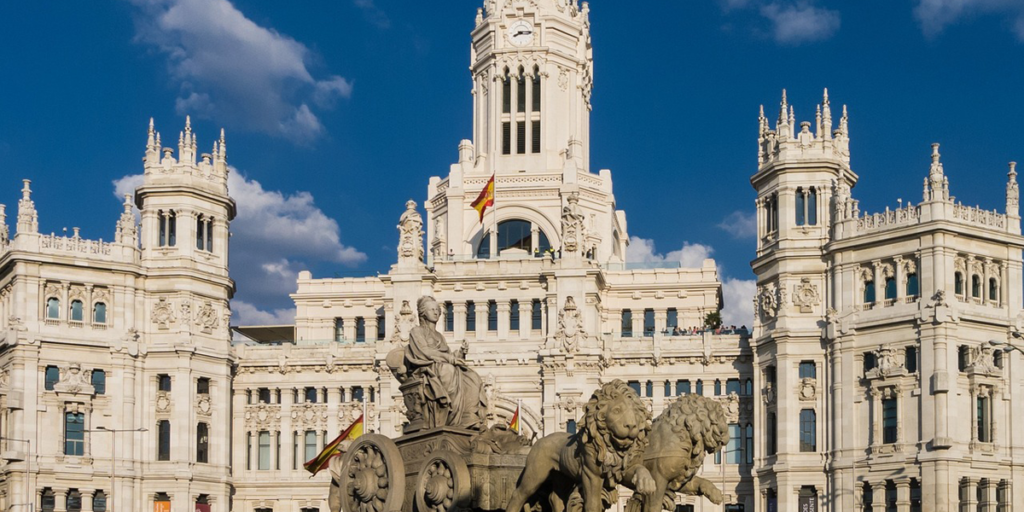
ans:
(881, 390)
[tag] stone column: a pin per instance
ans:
(988, 494)
(481, 319)
(60, 498)
(1004, 280)
(87, 500)
(969, 488)
(460, 320)
(371, 328)
(349, 328)
(534, 237)
(879, 282)
(525, 319)
(900, 276)
(1006, 490)
(903, 495)
(494, 241)
(286, 427)
(660, 320)
(876, 418)
(638, 323)
(504, 308)
(878, 496)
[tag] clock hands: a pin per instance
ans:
(522, 33)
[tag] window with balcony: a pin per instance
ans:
(648, 322)
(958, 279)
(890, 288)
(627, 323)
(913, 287)
(869, 292)
(53, 308)
(99, 313)
(339, 329)
(976, 286)
(77, 314)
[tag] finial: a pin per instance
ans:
(935, 153)
(784, 97)
(151, 130)
(127, 202)
(26, 191)
(761, 114)
(150, 138)
(825, 100)
(792, 116)
(181, 138)
(1013, 170)
(188, 124)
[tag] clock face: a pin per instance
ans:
(520, 33)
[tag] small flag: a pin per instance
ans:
(485, 199)
(319, 462)
(513, 424)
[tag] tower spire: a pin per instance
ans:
(826, 116)
(1012, 192)
(28, 218)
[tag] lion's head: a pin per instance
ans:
(693, 426)
(615, 423)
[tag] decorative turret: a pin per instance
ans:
(28, 218)
(784, 142)
(1012, 194)
(126, 230)
(211, 171)
(5, 232)
(936, 185)
(410, 238)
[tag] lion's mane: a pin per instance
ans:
(595, 429)
(699, 418)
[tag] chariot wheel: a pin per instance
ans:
(443, 484)
(372, 476)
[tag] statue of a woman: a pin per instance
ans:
(452, 389)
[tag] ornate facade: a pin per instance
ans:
(881, 389)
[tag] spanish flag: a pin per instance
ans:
(320, 461)
(485, 199)
(513, 424)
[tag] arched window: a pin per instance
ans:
(209, 234)
(812, 207)
(506, 110)
(976, 286)
(912, 285)
(514, 234)
(172, 229)
(53, 308)
(993, 289)
(536, 89)
(959, 283)
(890, 288)
(161, 218)
(801, 207)
(200, 232)
(77, 315)
(535, 112)
(99, 313)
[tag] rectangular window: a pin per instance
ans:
(164, 440)
(672, 320)
(264, 395)
(310, 445)
(700, 387)
(295, 450)
(734, 450)
(890, 496)
(264, 453)
(984, 420)
(163, 382)
(381, 324)
(749, 444)
(521, 93)
(203, 386)
(912, 285)
(682, 387)
(648, 322)
(506, 138)
(570, 426)
(74, 434)
(668, 388)
(808, 431)
(718, 387)
(99, 381)
(649, 389)
(492, 316)
(910, 359)
(890, 288)
(535, 315)
(521, 137)
(627, 323)
(915, 495)
(357, 394)
(248, 450)
(771, 434)
(360, 329)
(99, 502)
(870, 361)
(449, 317)
(808, 370)
(513, 315)
(309, 395)
(536, 137)
(963, 357)
(51, 377)
(635, 386)
(800, 207)
(506, 95)
(470, 316)
(890, 426)
(202, 443)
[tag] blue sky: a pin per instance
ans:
(339, 111)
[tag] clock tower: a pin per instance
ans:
(532, 71)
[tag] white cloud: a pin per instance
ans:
(274, 236)
(740, 224)
(373, 13)
(738, 296)
(642, 250)
(230, 68)
(244, 313)
(936, 15)
(798, 23)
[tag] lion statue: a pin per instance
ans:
(592, 461)
(690, 428)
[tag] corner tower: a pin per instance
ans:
(801, 171)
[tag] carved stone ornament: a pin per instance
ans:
(808, 388)
(410, 240)
(805, 296)
(570, 327)
(888, 364)
(74, 380)
(983, 361)
(573, 229)
(207, 318)
(163, 313)
(405, 321)
(163, 402)
(203, 405)
(768, 302)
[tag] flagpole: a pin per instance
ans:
(519, 416)
(364, 412)
(494, 212)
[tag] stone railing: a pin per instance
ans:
(73, 244)
(880, 221)
(977, 216)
